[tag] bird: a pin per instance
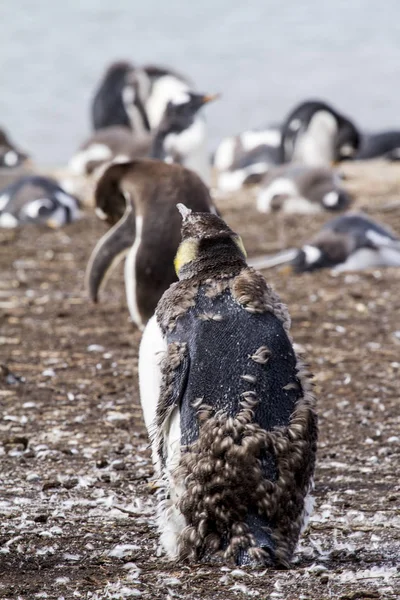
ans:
(10, 155)
(37, 199)
(350, 242)
(114, 143)
(245, 158)
(228, 406)
(137, 199)
(134, 96)
(314, 133)
(181, 137)
(296, 188)
(381, 144)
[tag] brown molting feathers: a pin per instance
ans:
(251, 290)
(222, 475)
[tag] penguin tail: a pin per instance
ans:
(108, 253)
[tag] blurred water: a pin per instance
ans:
(263, 55)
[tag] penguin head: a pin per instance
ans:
(323, 187)
(208, 246)
(181, 111)
(327, 250)
(10, 156)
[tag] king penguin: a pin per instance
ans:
(138, 199)
(228, 406)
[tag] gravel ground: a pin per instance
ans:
(76, 501)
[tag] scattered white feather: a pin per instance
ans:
(123, 550)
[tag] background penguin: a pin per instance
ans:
(34, 199)
(135, 97)
(138, 198)
(180, 138)
(106, 145)
(245, 158)
(301, 189)
(227, 406)
(315, 134)
(385, 144)
(347, 243)
(10, 155)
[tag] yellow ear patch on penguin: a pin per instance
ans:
(239, 243)
(187, 252)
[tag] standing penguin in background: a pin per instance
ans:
(316, 134)
(228, 407)
(139, 199)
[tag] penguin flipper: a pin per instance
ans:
(108, 252)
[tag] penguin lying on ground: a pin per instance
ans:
(10, 155)
(115, 143)
(181, 138)
(385, 144)
(348, 243)
(228, 406)
(245, 158)
(316, 134)
(135, 97)
(139, 199)
(301, 189)
(35, 199)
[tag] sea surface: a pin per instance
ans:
(264, 56)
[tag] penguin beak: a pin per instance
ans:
(209, 98)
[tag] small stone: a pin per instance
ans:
(118, 465)
(101, 463)
(70, 482)
(41, 518)
(48, 485)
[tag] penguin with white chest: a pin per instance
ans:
(138, 199)
(316, 134)
(228, 407)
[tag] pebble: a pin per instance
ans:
(118, 465)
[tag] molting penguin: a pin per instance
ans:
(245, 158)
(139, 199)
(315, 134)
(228, 406)
(34, 199)
(301, 189)
(10, 155)
(348, 243)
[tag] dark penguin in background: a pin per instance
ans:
(10, 155)
(135, 97)
(300, 189)
(139, 199)
(35, 199)
(385, 144)
(316, 134)
(228, 407)
(116, 100)
(349, 243)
